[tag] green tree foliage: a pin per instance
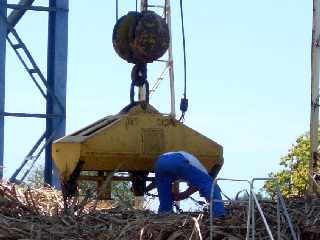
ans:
(293, 178)
(121, 191)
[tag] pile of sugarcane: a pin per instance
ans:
(307, 219)
(27, 213)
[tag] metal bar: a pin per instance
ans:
(31, 71)
(248, 216)
(161, 60)
(143, 5)
(282, 202)
(35, 67)
(26, 67)
(48, 140)
(285, 211)
(36, 145)
(16, 15)
(213, 200)
(35, 115)
(114, 178)
(3, 34)
(278, 219)
(314, 114)
(36, 157)
(117, 10)
(16, 46)
(211, 208)
(253, 216)
(28, 170)
(262, 215)
(50, 91)
(33, 8)
(261, 179)
(170, 61)
(26, 159)
(253, 220)
(233, 180)
(57, 79)
(156, 6)
(142, 90)
(157, 83)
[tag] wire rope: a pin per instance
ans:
(184, 100)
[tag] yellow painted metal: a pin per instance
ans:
(130, 141)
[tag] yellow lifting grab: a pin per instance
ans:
(131, 141)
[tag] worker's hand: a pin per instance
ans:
(176, 197)
(183, 195)
(180, 196)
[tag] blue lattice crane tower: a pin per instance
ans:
(52, 86)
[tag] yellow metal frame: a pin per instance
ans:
(131, 141)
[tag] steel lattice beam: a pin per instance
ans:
(54, 90)
(57, 78)
(17, 14)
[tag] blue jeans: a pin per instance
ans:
(174, 166)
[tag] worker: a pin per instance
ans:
(181, 165)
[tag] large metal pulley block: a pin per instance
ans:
(141, 37)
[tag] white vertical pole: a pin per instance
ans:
(139, 200)
(3, 35)
(170, 61)
(143, 5)
(171, 76)
(142, 90)
(314, 118)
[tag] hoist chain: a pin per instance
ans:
(139, 79)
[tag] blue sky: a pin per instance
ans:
(248, 66)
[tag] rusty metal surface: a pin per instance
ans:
(141, 37)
